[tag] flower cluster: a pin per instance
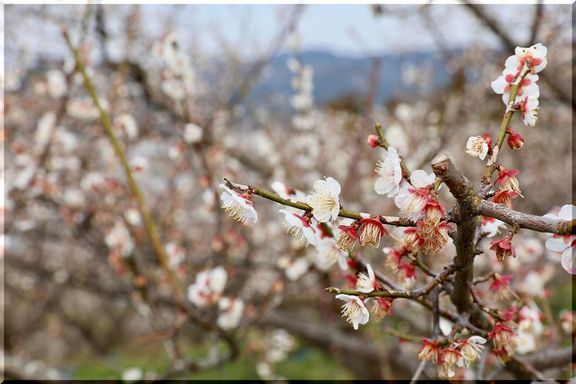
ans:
(459, 354)
(207, 290)
(521, 70)
(354, 308)
(504, 340)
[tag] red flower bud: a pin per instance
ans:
(515, 140)
(373, 141)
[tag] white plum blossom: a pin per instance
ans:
(529, 108)
(491, 226)
(325, 201)
(296, 268)
(118, 238)
(208, 286)
(329, 253)
(366, 283)
(477, 146)
(192, 133)
(231, 314)
(534, 56)
(471, 349)
(239, 206)
(299, 227)
(503, 84)
(128, 123)
(175, 253)
(525, 342)
(133, 217)
(56, 83)
(412, 199)
(390, 174)
(564, 244)
(421, 179)
(354, 310)
(535, 281)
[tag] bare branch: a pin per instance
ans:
(527, 221)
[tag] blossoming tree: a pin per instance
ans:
(478, 214)
(136, 220)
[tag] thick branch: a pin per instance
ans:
(527, 221)
(468, 202)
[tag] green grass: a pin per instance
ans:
(303, 363)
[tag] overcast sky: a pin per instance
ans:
(344, 29)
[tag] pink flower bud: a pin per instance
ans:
(515, 140)
(373, 141)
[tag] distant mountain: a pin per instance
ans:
(336, 75)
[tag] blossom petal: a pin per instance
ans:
(567, 261)
(556, 244)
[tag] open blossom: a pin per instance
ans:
(231, 312)
(354, 310)
(390, 174)
(366, 283)
(208, 286)
(299, 227)
(294, 269)
(534, 57)
(500, 286)
(450, 358)
(491, 226)
(503, 84)
(371, 231)
(508, 181)
(330, 253)
(471, 349)
(502, 336)
(412, 199)
(477, 146)
(394, 256)
(119, 239)
(503, 248)
(433, 234)
(529, 108)
(406, 275)
(505, 197)
(564, 243)
(381, 307)
(325, 201)
(192, 133)
(175, 253)
(348, 237)
(430, 351)
(239, 206)
(413, 239)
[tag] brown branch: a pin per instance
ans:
(468, 202)
(527, 221)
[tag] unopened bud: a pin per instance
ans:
(373, 141)
(515, 140)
